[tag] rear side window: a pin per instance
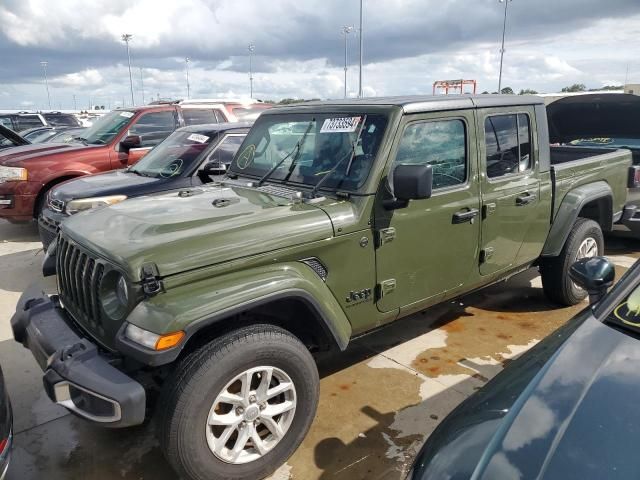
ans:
(28, 121)
(6, 122)
(441, 144)
(508, 144)
(198, 116)
(227, 149)
(154, 127)
(221, 117)
(61, 120)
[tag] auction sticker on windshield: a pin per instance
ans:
(126, 114)
(196, 137)
(340, 125)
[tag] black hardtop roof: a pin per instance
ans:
(213, 128)
(419, 103)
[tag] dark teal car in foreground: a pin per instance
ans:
(566, 409)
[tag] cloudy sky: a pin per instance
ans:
(299, 48)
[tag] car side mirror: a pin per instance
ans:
(214, 167)
(130, 141)
(410, 182)
(595, 275)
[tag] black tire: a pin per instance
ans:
(190, 392)
(556, 283)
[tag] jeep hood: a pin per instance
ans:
(17, 155)
(181, 231)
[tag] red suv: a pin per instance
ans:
(116, 140)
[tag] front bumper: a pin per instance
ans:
(76, 374)
(17, 200)
(48, 225)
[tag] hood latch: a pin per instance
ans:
(150, 279)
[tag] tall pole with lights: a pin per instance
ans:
(346, 30)
(142, 85)
(251, 49)
(361, 47)
(186, 62)
(46, 81)
(126, 38)
(504, 28)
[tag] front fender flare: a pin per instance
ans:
(192, 307)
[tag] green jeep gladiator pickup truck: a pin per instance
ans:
(335, 219)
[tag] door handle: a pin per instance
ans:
(464, 216)
(525, 199)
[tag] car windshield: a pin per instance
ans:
(107, 127)
(178, 154)
(609, 142)
(303, 148)
(40, 136)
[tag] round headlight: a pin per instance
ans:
(114, 295)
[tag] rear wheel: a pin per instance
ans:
(584, 240)
(239, 407)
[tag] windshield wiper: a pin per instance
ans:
(138, 172)
(83, 140)
(350, 155)
(296, 149)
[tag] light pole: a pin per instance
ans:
(46, 81)
(75, 106)
(251, 49)
(142, 85)
(126, 38)
(186, 61)
(346, 30)
(361, 47)
(504, 28)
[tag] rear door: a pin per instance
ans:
(511, 207)
(431, 246)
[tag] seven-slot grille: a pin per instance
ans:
(79, 278)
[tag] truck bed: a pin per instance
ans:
(575, 166)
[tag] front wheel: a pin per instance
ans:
(584, 240)
(238, 407)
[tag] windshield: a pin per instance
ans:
(179, 153)
(329, 140)
(107, 127)
(610, 142)
(39, 136)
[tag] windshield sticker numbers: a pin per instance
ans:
(246, 157)
(126, 114)
(196, 137)
(340, 125)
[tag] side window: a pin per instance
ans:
(225, 152)
(6, 122)
(220, 116)
(198, 116)
(508, 144)
(441, 144)
(154, 127)
(28, 121)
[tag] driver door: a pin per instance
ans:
(430, 247)
(152, 128)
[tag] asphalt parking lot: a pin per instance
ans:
(379, 400)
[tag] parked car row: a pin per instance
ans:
(116, 140)
(22, 121)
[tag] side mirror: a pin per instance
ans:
(130, 141)
(214, 167)
(410, 182)
(595, 275)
